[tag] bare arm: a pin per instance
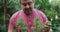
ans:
(11, 30)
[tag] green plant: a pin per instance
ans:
(21, 23)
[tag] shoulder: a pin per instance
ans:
(13, 19)
(39, 11)
(15, 15)
(41, 15)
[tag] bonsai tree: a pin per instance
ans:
(22, 24)
(39, 26)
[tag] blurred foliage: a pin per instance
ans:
(22, 24)
(12, 6)
(1, 10)
(50, 7)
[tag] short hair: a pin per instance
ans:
(20, 1)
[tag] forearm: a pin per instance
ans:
(11, 30)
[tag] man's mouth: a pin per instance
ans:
(28, 11)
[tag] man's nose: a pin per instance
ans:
(27, 6)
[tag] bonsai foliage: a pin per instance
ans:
(22, 24)
(39, 25)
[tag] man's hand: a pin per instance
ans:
(47, 28)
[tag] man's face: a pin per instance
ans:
(27, 6)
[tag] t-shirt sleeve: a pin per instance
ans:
(12, 21)
(42, 16)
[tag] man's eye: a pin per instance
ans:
(24, 4)
(29, 3)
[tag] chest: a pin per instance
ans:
(27, 22)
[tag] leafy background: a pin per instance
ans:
(50, 7)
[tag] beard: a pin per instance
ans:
(28, 11)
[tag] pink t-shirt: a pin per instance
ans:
(27, 19)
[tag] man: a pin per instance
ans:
(27, 13)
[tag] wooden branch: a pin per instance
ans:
(4, 4)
